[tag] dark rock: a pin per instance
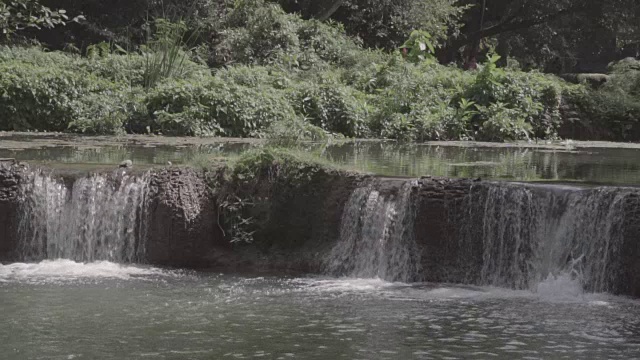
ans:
(11, 174)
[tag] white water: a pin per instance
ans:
(48, 271)
(98, 218)
(531, 235)
(376, 237)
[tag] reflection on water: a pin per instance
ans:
(114, 154)
(602, 165)
(167, 315)
(577, 162)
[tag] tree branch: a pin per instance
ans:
(510, 25)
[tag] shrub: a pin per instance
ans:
(166, 54)
(333, 107)
(530, 98)
(328, 41)
(255, 33)
(419, 102)
(50, 99)
(253, 76)
(607, 113)
(216, 107)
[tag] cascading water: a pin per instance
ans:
(533, 234)
(376, 237)
(98, 218)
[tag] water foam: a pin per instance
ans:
(67, 270)
(376, 237)
(100, 217)
(529, 232)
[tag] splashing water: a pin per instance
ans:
(51, 271)
(376, 237)
(532, 234)
(98, 218)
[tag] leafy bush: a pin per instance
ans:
(255, 33)
(216, 107)
(126, 69)
(607, 113)
(48, 98)
(418, 102)
(17, 15)
(328, 41)
(252, 76)
(531, 100)
(333, 107)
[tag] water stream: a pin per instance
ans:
(100, 217)
(534, 232)
(550, 255)
(376, 238)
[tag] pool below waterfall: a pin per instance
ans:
(66, 310)
(121, 263)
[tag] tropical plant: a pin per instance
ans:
(419, 47)
(166, 52)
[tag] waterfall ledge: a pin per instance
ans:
(345, 224)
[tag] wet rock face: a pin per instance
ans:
(182, 226)
(440, 210)
(629, 281)
(304, 221)
(10, 177)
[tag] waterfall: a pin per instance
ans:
(533, 233)
(100, 217)
(376, 236)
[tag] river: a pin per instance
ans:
(66, 310)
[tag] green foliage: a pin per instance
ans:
(625, 77)
(165, 53)
(333, 107)
(290, 133)
(530, 100)
(216, 107)
(52, 99)
(255, 181)
(17, 15)
(328, 41)
(292, 166)
(103, 50)
(419, 47)
(418, 102)
(606, 113)
(292, 80)
(386, 23)
(256, 33)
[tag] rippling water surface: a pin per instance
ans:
(65, 310)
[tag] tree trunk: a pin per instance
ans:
(326, 14)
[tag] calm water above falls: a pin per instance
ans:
(64, 310)
(606, 163)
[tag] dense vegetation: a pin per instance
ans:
(251, 69)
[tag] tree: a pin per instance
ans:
(384, 23)
(554, 28)
(18, 15)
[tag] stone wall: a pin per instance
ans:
(182, 220)
(10, 176)
(439, 228)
